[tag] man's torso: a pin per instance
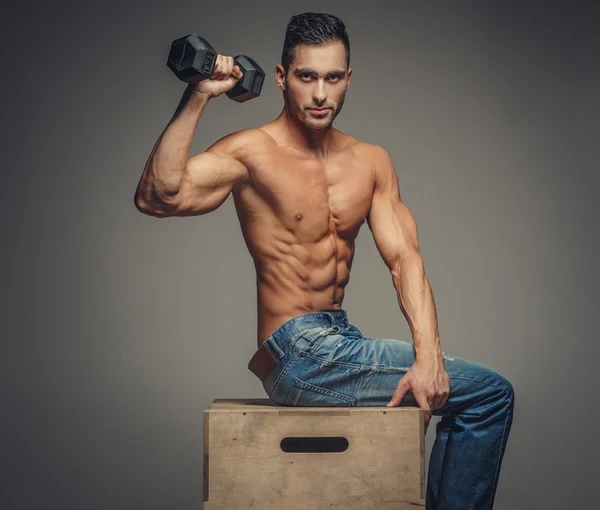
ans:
(300, 216)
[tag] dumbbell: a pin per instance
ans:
(193, 59)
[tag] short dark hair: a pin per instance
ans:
(313, 28)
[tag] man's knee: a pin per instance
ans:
(507, 387)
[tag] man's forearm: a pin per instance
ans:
(417, 303)
(166, 164)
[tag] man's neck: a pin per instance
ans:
(316, 141)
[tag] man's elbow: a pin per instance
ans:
(145, 208)
(405, 263)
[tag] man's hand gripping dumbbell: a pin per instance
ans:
(196, 62)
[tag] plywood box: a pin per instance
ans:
(262, 456)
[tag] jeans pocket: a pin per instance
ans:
(303, 393)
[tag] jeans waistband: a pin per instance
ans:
(265, 358)
(299, 323)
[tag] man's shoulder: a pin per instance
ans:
(247, 138)
(367, 150)
(373, 155)
(242, 143)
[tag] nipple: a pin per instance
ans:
(298, 216)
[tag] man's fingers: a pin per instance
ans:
(399, 393)
(230, 65)
(421, 398)
(440, 402)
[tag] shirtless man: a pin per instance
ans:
(302, 189)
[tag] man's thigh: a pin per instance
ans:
(345, 368)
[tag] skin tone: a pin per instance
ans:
(302, 189)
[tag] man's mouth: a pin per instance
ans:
(321, 112)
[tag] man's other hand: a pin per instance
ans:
(428, 381)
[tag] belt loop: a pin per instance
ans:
(331, 320)
(270, 341)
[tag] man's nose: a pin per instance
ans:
(320, 94)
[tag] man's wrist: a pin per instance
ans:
(202, 96)
(193, 93)
(428, 351)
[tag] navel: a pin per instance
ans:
(298, 216)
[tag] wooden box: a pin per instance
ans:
(262, 456)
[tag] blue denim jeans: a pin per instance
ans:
(323, 360)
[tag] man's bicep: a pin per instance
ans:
(210, 176)
(392, 224)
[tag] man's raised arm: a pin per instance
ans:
(395, 234)
(173, 184)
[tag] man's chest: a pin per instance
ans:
(313, 198)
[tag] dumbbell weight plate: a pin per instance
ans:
(192, 58)
(250, 84)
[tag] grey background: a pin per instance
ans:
(120, 329)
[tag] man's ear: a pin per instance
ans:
(280, 76)
(349, 76)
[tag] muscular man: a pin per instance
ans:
(302, 189)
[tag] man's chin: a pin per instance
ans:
(316, 125)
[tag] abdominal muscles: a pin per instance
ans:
(298, 274)
(298, 277)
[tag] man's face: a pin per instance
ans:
(317, 78)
